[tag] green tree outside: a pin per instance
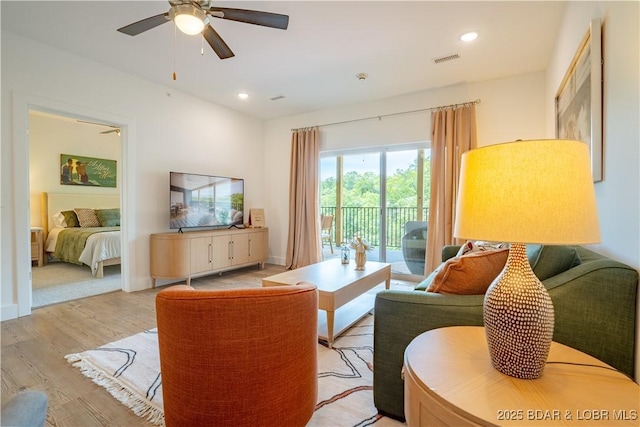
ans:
(362, 190)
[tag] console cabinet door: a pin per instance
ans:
(240, 249)
(201, 249)
(169, 256)
(221, 252)
(257, 246)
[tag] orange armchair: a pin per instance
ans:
(240, 357)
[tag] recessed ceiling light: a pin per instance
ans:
(468, 37)
(243, 95)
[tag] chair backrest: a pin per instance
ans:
(409, 226)
(241, 357)
(326, 222)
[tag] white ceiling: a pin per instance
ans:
(314, 63)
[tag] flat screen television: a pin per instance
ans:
(205, 201)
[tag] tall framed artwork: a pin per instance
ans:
(88, 171)
(578, 101)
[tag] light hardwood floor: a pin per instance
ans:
(33, 348)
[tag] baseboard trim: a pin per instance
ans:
(9, 312)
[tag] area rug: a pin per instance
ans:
(61, 273)
(58, 282)
(129, 369)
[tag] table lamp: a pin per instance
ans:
(538, 191)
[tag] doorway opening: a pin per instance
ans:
(19, 209)
(69, 168)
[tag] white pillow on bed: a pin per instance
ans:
(58, 220)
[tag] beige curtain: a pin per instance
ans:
(303, 243)
(453, 131)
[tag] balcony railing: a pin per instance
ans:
(365, 221)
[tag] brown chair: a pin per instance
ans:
(239, 357)
(326, 225)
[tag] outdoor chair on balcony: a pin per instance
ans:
(414, 246)
(326, 230)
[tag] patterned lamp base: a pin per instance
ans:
(518, 318)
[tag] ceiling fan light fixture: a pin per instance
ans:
(469, 37)
(189, 19)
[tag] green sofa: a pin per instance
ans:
(595, 312)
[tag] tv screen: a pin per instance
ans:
(205, 201)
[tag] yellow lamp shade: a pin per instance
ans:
(537, 191)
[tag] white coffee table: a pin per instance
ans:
(342, 291)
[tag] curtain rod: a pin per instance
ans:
(442, 107)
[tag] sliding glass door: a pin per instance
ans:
(381, 195)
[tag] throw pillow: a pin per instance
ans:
(70, 219)
(87, 217)
(469, 274)
(108, 217)
(470, 247)
(548, 261)
(58, 220)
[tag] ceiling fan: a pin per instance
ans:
(192, 17)
(113, 129)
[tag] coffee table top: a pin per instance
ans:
(327, 275)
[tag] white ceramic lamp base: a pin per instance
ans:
(518, 318)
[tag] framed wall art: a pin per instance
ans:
(579, 99)
(89, 171)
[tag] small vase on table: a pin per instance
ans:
(361, 246)
(361, 259)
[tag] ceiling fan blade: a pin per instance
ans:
(266, 19)
(217, 44)
(97, 124)
(145, 24)
(111, 131)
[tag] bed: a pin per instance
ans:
(96, 243)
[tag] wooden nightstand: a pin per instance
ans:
(449, 381)
(37, 246)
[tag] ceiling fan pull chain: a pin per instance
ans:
(202, 44)
(175, 31)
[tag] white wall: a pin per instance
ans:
(510, 108)
(618, 195)
(168, 130)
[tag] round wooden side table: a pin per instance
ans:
(449, 381)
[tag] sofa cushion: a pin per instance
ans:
(469, 274)
(548, 261)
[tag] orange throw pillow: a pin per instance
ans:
(469, 274)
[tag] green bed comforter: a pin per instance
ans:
(71, 242)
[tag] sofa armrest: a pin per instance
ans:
(399, 317)
(595, 310)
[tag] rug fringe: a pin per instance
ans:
(140, 407)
